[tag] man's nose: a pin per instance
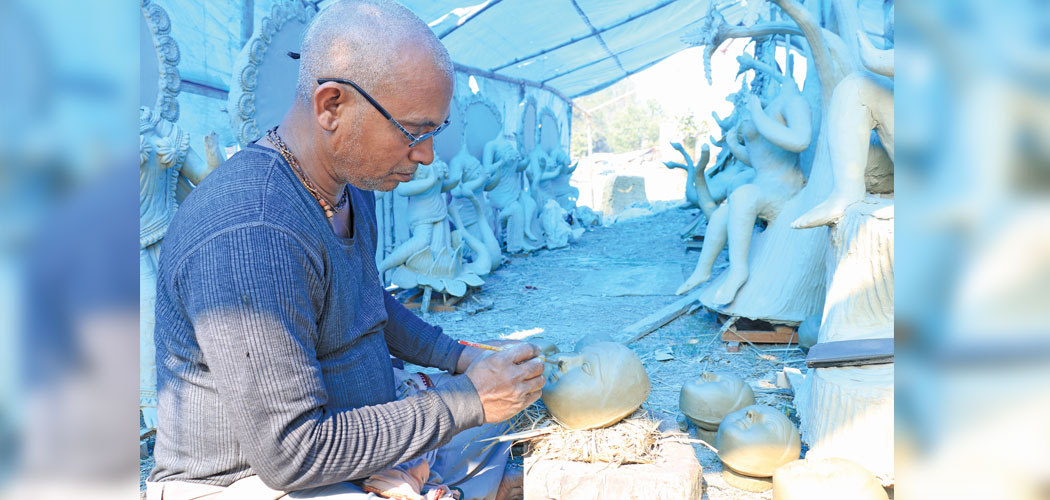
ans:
(422, 152)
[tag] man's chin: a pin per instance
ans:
(387, 186)
(373, 185)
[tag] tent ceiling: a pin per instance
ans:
(575, 46)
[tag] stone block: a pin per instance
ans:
(620, 192)
(676, 475)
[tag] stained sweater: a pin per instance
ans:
(274, 338)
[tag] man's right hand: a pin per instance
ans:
(507, 381)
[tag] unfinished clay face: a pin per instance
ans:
(826, 479)
(595, 387)
(708, 399)
(757, 439)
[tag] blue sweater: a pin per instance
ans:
(274, 338)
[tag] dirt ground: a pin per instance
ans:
(608, 279)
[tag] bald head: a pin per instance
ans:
(364, 40)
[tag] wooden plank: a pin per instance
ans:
(694, 245)
(782, 335)
(662, 317)
(850, 353)
(433, 307)
(733, 347)
(406, 296)
(454, 300)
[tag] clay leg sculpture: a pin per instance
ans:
(531, 216)
(512, 216)
(714, 241)
(486, 234)
(420, 239)
(858, 105)
(482, 263)
(744, 204)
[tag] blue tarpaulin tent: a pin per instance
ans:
(575, 47)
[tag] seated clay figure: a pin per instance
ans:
(860, 103)
(537, 178)
(595, 387)
(755, 440)
(562, 191)
(427, 212)
(469, 203)
(826, 479)
(503, 164)
(433, 255)
(706, 400)
(772, 137)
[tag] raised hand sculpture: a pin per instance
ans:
(693, 172)
(773, 137)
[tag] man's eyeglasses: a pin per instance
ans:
(413, 139)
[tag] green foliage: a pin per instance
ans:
(691, 131)
(619, 122)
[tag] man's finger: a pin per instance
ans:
(534, 384)
(522, 352)
(532, 397)
(531, 368)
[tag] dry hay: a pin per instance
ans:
(634, 440)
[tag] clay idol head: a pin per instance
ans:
(708, 399)
(826, 479)
(757, 439)
(595, 387)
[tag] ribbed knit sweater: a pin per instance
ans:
(274, 338)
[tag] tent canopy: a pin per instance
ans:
(576, 47)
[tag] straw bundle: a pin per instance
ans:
(634, 440)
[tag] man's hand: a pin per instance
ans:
(470, 354)
(507, 381)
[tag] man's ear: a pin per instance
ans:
(331, 103)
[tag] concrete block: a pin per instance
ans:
(620, 192)
(676, 475)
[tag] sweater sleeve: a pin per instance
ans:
(416, 341)
(247, 293)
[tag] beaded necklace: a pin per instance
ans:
(282, 148)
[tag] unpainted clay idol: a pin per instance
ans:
(596, 386)
(706, 400)
(826, 479)
(757, 439)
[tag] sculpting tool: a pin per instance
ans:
(498, 349)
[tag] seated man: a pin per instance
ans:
(274, 332)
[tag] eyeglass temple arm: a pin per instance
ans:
(360, 91)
